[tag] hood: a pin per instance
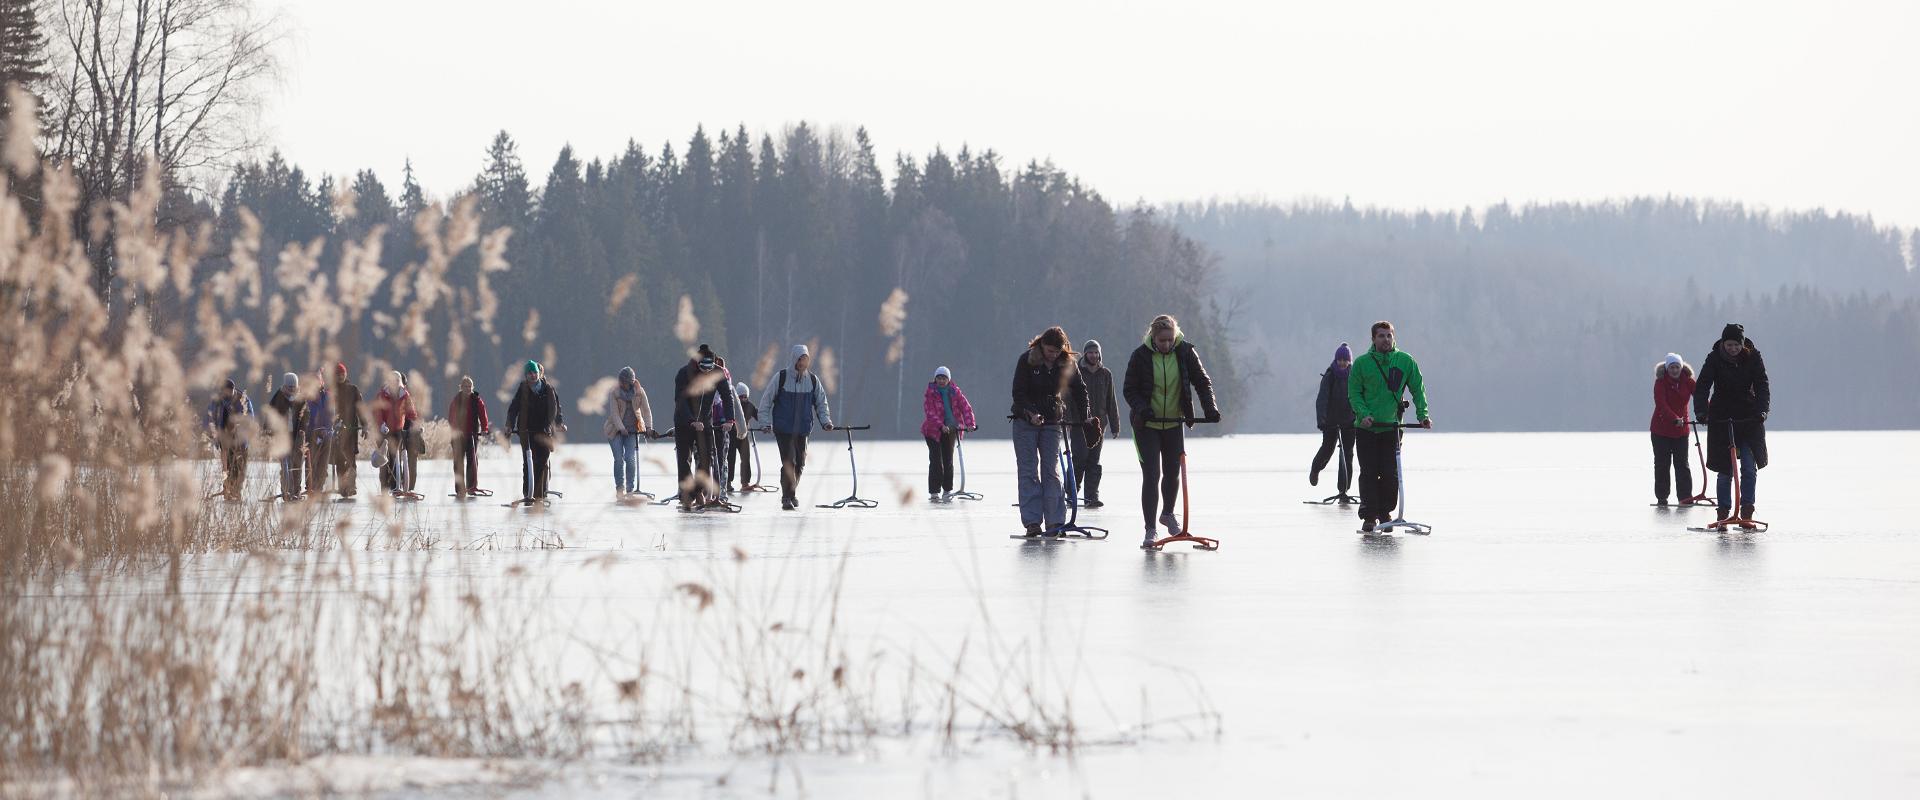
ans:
(1178, 339)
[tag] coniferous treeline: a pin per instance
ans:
(1551, 317)
(796, 240)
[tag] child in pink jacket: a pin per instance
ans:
(949, 416)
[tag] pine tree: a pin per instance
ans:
(23, 56)
(412, 199)
(505, 196)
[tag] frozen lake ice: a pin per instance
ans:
(1554, 636)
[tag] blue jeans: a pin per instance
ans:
(1749, 474)
(1036, 456)
(626, 461)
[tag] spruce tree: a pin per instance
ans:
(23, 56)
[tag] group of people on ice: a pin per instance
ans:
(1730, 397)
(1360, 409)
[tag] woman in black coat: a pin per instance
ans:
(1333, 415)
(1732, 395)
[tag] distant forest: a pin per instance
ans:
(774, 242)
(1544, 317)
(1551, 317)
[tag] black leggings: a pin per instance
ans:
(1329, 439)
(940, 464)
(1159, 452)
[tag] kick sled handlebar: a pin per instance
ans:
(1183, 420)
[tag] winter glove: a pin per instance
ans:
(1213, 416)
(1763, 416)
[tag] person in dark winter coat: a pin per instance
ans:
(320, 434)
(1672, 391)
(1333, 415)
(350, 420)
(696, 387)
(1088, 444)
(796, 400)
(233, 425)
(467, 421)
(535, 415)
(286, 404)
(1732, 395)
(1047, 388)
(1163, 375)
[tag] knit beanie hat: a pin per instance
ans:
(1734, 332)
(532, 367)
(943, 372)
(1674, 358)
(290, 380)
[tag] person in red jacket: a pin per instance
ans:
(1672, 390)
(467, 416)
(393, 410)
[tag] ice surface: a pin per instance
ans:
(1555, 636)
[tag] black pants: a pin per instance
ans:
(1379, 473)
(466, 463)
(1330, 438)
(940, 463)
(1086, 463)
(1671, 453)
(713, 462)
(346, 457)
(686, 455)
(536, 451)
(1159, 452)
(793, 461)
(740, 461)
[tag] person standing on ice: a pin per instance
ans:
(1087, 443)
(1672, 391)
(628, 417)
(1733, 397)
(696, 388)
(319, 435)
(1375, 385)
(948, 415)
(287, 405)
(1046, 379)
(350, 427)
(394, 411)
(1333, 415)
(739, 457)
(537, 417)
(1163, 374)
(796, 400)
(467, 420)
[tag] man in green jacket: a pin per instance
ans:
(1375, 384)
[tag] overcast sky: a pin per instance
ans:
(1422, 103)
